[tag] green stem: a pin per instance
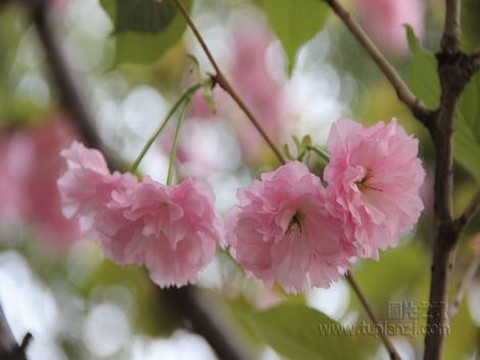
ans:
(185, 96)
(173, 151)
(322, 154)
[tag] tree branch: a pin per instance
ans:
(373, 317)
(451, 36)
(186, 299)
(455, 70)
(468, 213)
(404, 94)
(225, 85)
(206, 321)
(475, 61)
(444, 235)
(9, 348)
(463, 286)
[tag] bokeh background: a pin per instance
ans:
(77, 304)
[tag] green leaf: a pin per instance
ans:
(422, 77)
(295, 22)
(143, 15)
(467, 129)
(298, 332)
(462, 335)
(144, 29)
(423, 81)
(397, 271)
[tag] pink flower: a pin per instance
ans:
(30, 166)
(179, 229)
(173, 231)
(93, 196)
(281, 231)
(386, 20)
(373, 177)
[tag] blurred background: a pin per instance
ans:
(78, 305)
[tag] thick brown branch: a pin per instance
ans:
(455, 70)
(444, 234)
(404, 94)
(225, 85)
(452, 31)
(468, 213)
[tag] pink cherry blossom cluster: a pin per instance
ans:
(291, 229)
(288, 227)
(172, 230)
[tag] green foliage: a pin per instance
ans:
(298, 332)
(397, 271)
(462, 333)
(422, 78)
(144, 29)
(424, 82)
(295, 22)
(143, 15)
(15, 107)
(467, 129)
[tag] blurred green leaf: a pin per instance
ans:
(423, 81)
(295, 22)
(298, 332)
(467, 129)
(422, 77)
(143, 15)
(397, 270)
(462, 335)
(144, 29)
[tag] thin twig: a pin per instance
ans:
(475, 61)
(197, 34)
(373, 317)
(404, 94)
(468, 213)
(451, 35)
(27, 339)
(463, 286)
(225, 85)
